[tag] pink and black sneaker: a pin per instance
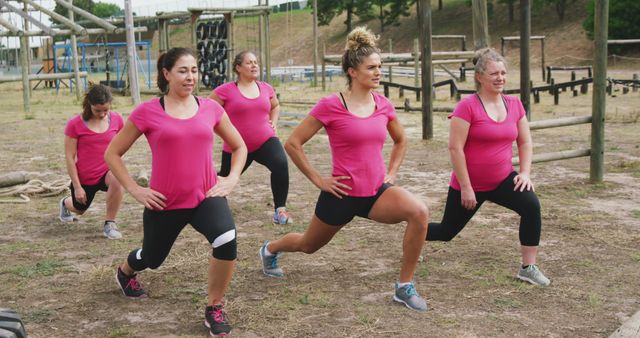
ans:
(130, 285)
(215, 318)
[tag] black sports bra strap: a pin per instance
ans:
(343, 101)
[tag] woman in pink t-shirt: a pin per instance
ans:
(483, 129)
(184, 187)
(357, 122)
(253, 109)
(86, 138)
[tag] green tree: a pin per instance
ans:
(623, 19)
(560, 5)
(388, 12)
(510, 7)
(87, 5)
(328, 9)
(106, 10)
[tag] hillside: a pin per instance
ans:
(291, 33)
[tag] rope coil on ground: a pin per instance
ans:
(34, 187)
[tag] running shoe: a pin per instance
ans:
(215, 318)
(270, 262)
(533, 275)
(408, 296)
(281, 216)
(65, 215)
(130, 285)
(111, 230)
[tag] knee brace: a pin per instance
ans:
(225, 246)
(135, 260)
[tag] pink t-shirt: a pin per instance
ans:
(356, 142)
(182, 168)
(91, 147)
(488, 149)
(249, 116)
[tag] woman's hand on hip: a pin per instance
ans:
(148, 197)
(522, 182)
(224, 186)
(333, 185)
(81, 195)
(468, 198)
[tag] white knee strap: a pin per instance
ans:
(224, 238)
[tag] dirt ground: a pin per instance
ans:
(60, 277)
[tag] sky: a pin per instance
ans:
(140, 7)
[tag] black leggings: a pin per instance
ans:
(212, 218)
(525, 203)
(271, 155)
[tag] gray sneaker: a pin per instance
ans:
(408, 296)
(65, 215)
(270, 263)
(533, 275)
(111, 230)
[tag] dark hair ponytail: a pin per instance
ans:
(97, 94)
(167, 61)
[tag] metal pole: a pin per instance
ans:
(416, 62)
(267, 42)
(315, 43)
(601, 30)
(74, 53)
(131, 50)
(261, 43)
(525, 56)
(424, 22)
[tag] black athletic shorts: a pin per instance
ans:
(336, 211)
(91, 191)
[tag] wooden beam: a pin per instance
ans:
(230, 9)
(37, 77)
(558, 155)
(63, 32)
(8, 25)
(28, 17)
(525, 56)
(560, 122)
(131, 54)
(98, 21)
(74, 26)
(480, 24)
(424, 28)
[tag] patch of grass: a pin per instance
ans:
(507, 302)
(17, 246)
(625, 166)
(119, 332)
(304, 300)
(47, 267)
(38, 316)
(445, 321)
(635, 214)
(594, 300)
(422, 271)
(636, 257)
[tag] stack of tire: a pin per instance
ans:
(212, 52)
(10, 324)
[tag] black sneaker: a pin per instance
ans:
(130, 286)
(216, 320)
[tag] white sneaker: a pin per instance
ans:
(111, 230)
(65, 215)
(533, 275)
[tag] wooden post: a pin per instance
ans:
(261, 56)
(480, 24)
(315, 43)
(324, 66)
(601, 30)
(542, 56)
(584, 88)
(525, 57)
(267, 46)
(424, 22)
(390, 73)
(635, 87)
(161, 38)
(194, 44)
(74, 53)
(132, 67)
(416, 63)
(24, 67)
(548, 74)
(390, 46)
(231, 42)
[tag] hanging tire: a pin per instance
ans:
(206, 79)
(222, 30)
(203, 66)
(211, 49)
(202, 31)
(11, 324)
(213, 29)
(202, 50)
(222, 67)
(221, 50)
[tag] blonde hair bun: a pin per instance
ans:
(360, 37)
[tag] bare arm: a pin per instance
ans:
(113, 156)
(216, 98)
(458, 132)
(398, 151)
(70, 153)
(303, 132)
(274, 113)
(525, 153)
(230, 136)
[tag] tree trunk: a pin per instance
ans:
(510, 9)
(348, 22)
(381, 16)
(439, 5)
(561, 5)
